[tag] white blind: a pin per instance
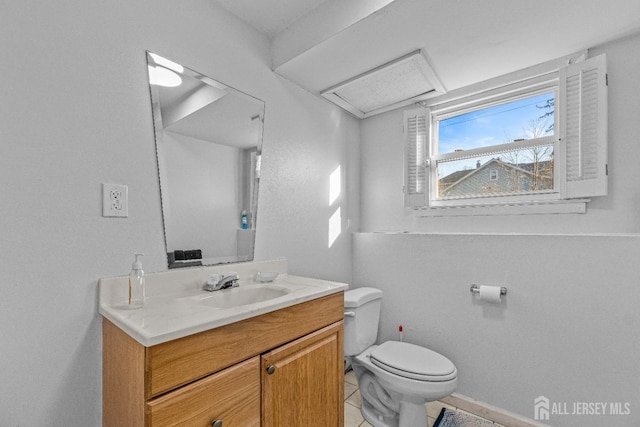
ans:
(584, 96)
(415, 135)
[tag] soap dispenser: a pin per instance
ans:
(136, 283)
(245, 225)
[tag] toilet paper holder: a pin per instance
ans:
(476, 289)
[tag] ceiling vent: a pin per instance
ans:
(401, 82)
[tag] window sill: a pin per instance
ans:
(576, 206)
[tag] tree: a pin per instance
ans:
(537, 160)
(549, 105)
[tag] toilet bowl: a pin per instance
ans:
(396, 379)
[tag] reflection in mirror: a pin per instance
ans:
(208, 144)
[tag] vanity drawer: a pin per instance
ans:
(175, 363)
(231, 395)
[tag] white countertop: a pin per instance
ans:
(176, 306)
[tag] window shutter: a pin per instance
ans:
(583, 127)
(416, 126)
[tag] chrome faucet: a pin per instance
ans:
(216, 282)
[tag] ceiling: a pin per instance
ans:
(270, 16)
(318, 44)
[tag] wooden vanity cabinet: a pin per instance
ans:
(299, 385)
(283, 368)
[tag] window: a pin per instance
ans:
(515, 136)
(537, 140)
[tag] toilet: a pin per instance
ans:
(396, 379)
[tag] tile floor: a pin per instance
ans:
(353, 400)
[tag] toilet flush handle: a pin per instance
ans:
(349, 314)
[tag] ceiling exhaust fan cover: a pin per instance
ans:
(401, 82)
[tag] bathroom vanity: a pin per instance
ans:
(261, 354)
(181, 361)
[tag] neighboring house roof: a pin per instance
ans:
(454, 179)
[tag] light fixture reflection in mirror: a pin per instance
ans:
(161, 76)
(208, 145)
(164, 73)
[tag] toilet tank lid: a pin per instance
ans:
(357, 297)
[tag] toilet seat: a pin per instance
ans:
(412, 361)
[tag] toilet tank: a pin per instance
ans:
(361, 316)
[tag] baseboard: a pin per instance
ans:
(489, 412)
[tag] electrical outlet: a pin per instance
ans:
(115, 200)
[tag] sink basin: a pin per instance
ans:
(235, 297)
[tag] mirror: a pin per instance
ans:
(208, 145)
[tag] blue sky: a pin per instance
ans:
(491, 126)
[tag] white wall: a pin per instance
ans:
(308, 141)
(75, 113)
(568, 328)
(198, 213)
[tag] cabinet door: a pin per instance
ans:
(302, 382)
(231, 395)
